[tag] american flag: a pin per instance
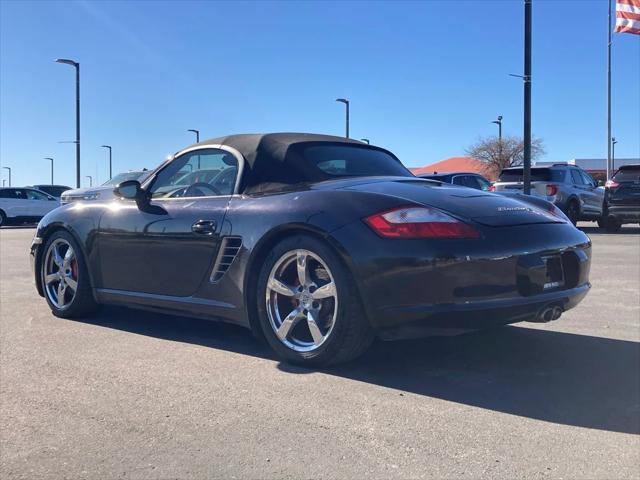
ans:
(628, 16)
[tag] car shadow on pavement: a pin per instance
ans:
(557, 377)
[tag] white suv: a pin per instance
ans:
(24, 205)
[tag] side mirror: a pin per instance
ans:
(130, 190)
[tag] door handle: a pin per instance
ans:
(204, 227)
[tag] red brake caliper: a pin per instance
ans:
(74, 270)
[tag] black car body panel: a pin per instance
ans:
(152, 256)
(622, 195)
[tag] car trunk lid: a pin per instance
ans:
(485, 208)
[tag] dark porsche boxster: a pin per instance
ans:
(316, 243)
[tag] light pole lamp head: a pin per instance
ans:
(106, 146)
(48, 158)
(342, 100)
(613, 140)
(366, 140)
(66, 61)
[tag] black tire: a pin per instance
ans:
(3, 219)
(351, 334)
(602, 222)
(613, 225)
(83, 303)
(573, 211)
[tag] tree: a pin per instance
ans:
(497, 155)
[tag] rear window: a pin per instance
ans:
(628, 174)
(537, 175)
(352, 161)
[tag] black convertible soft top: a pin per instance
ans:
(271, 159)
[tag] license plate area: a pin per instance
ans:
(554, 274)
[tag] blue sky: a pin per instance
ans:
(425, 79)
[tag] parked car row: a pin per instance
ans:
(568, 187)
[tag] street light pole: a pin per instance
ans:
(499, 123)
(613, 154)
(346, 103)
(90, 180)
(527, 97)
(366, 140)
(51, 159)
(76, 65)
(9, 168)
(110, 164)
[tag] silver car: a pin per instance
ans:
(104, 191)
(570, 188)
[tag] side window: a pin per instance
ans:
(588, 180)
(20, 194)
(576, 177)
(459, 180)
(201, 173)
(35, 195)
(8, 193)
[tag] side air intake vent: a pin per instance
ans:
(227, 254)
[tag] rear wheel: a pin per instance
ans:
(64, 277)
(613, 225)
(308, 307)
(573, 211)
(3, 218)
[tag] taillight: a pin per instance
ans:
(552, 190)
(492, 188)
(419, 222)
(611, 184)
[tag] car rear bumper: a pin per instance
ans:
(424, 320)
(505, 277)
(624, 213)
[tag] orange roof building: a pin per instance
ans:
(454, 164)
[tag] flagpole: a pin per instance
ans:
(609, 96)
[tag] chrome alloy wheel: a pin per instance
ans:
(302, 300)
(60, 273)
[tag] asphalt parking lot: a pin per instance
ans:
(139, 395)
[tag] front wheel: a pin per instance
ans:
(308, 306)
(64, 277)
(3, 218)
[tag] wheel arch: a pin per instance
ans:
(261, 251)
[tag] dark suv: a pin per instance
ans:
(570, 188)
(622, 198)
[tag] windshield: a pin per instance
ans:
(123, 177)
(537, 175)
(353, 161)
